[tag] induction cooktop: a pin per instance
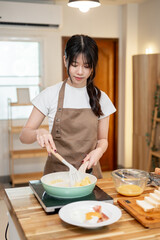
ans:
(51, 204)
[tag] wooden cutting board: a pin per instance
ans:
(150, 220)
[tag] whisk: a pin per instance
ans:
(74, 174)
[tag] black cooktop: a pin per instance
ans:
(51, 204)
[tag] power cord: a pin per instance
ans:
(6, 231)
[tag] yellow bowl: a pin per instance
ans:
(130, 182)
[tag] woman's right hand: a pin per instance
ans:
(44, 138)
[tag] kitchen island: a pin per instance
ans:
(33, 223)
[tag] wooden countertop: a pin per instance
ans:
(33, 223)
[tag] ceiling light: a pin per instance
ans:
(149, 50)
(83, 5)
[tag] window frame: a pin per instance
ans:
(41, 63)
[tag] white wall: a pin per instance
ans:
(141, 32)
(100, 22)
(108, 21)
(131, 47)
(149, 22)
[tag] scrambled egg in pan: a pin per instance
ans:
(85, 181)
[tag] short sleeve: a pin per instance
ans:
(106, 105)
(46, 101)
(41, 102)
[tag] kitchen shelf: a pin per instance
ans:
(18, 129)
(15, 104)
(28, 153)
(26, 177)
(21, 153)
(155, 153)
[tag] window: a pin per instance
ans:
(19, 68)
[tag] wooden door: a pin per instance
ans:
(106, 80)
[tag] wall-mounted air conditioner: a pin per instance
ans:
(30, 14)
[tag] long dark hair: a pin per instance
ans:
(87, 46)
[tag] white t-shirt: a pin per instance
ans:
(77, 98)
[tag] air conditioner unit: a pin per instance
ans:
(30, 14)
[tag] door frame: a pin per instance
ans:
(115, 102)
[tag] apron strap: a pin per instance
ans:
(59, 111)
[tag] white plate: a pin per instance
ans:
(74, 213)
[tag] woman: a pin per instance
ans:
(78, 112)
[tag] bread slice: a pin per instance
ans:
(147, 207)
(157, 171)
(152, 202)
(155, 196)
(157, 192)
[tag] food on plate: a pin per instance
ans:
(85, 181)
(92, 216)
(150, 203)
(96, 215)
(130, 190)
(157, 171)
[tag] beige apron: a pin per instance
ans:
(75, 134)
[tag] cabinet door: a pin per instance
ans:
(146, 76)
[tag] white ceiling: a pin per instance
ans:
(122, 1)
(115, 2)
(118, 2)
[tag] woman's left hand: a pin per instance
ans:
(93, 157)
